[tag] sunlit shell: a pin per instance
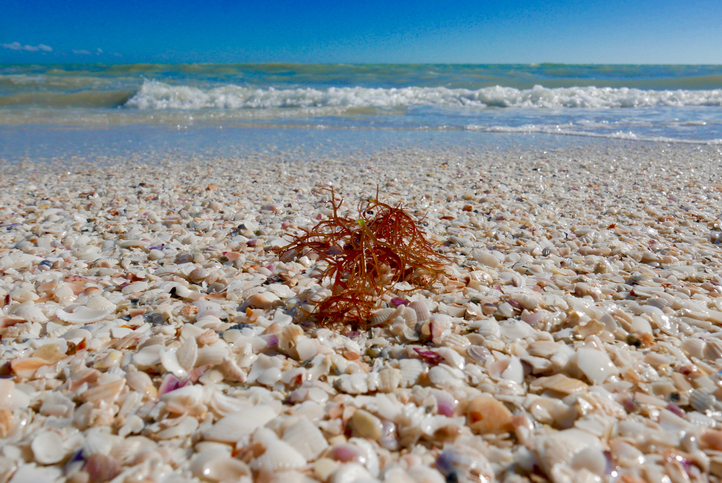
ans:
(187, 354)
(306, 438)
(30, 312)
(381, 316)
(713, 349)
(218, 465)
(410, 369)
(694, 347)
(422, 310)
(243, 422)
(100, 302)
(477, 354)
(82, 315)
(48, 447)
(489, 328)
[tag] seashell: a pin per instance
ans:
(186, 425)
(236, 426)
(100, 302)
(410, 369)
(279, 456)
(82, 315)
(218, 465)
(514, 329)
(26, 368)
(356, 383)
(263, 300)
(694, 347)
(140, 381)
(30, 312)
(595, 364)
(12, 398)
(185, 400)
(477, 354)
(101, 467)
(48, 448)
(702, 400)
(389, 379)
(464, 463)
(7, 423)
(713, 349)
(446, 403)
(169, 361)
(457, 342)
(306, 438)
(486, 258)
(366, 425)
(560, 447)
(349, 473)
(487, 415)
(625, 454)
(381, 316)
(489, 329)
(422, 310)
(106, 393)
(559, 383)
(187, 354)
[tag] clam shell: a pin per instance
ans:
(188, 354)
(278, 456)
(306, 438)
(489, 328)
(595, 364)
(713, 349)
(82, 315)
(702, 400)
(100, 302)
(477, 354)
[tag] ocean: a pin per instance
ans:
(51, 110)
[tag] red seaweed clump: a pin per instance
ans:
(366, 256)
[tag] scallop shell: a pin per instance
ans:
(410, 369)
(422, 310)
(381, 316)
(306, 438)
(694, 347)
(100, 302)
(82, 315)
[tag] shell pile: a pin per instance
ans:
(150, 332)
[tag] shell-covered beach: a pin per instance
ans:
(150, 332)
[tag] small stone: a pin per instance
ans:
(366, 425)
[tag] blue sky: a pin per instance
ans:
(371, 31)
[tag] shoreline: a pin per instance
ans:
(576, 336)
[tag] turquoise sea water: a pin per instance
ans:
(102, 106)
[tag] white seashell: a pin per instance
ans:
(306, 438)
(422, 310)
(188, 354)
(514, 329)
(100, 302)
(261, 366)
(389, 379)
(264, 300)
(410, 369)
(185, 427)
(477, 354)
(236, 426)
(12, 398)
(140, 381)
(148, 356)
(30, 312)
(169, 360)
(82, 315)
(694, 347)
(48, 448)
(489, 329)
(355, 383)
(452, 358)
(218, 465)
(279, 456)
(560, 447)
(702, 400)
(595, 364)
(713, 349)
(283, 291)
(350, 473)
(381, 316)
(486, 258)
(408, 315)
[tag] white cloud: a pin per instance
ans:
(81, 52)
(29, 48)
